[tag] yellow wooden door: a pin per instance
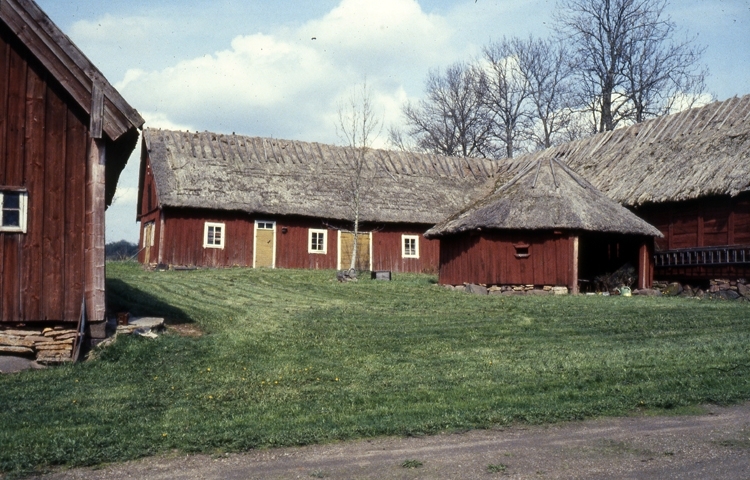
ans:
(148, 241)
(347, 249)
(265, 244)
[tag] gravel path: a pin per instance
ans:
(713, 445)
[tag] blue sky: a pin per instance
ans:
(254, 68)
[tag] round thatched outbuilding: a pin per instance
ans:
(546, 226)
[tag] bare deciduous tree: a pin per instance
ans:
(627, 62)
(545, 65)
(358, 127)
(505, 91)
(452, 119)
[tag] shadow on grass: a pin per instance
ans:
(122, 297)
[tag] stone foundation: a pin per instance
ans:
(482, 289)
(49, 345)
(718, 289)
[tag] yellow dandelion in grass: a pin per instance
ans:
(337, 379)
(210, 397)
(156, 377)
(163, 434)
(276, 382)
(208, 369)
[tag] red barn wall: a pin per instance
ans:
(43, 148)
(183, 229)
(490, 258)
(387, 249)
(705, 222)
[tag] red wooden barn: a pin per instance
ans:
(545, 227)
(213, 200)
(688, 174)
(65, 136)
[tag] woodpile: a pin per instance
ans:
(50, 345)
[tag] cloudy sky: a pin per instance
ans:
(280, 68)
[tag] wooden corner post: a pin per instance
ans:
(94, 256)
(573, 283)
(646, 264)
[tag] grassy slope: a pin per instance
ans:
(293, 357)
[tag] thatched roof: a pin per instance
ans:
(283, 177)
(695, 153)
(545, 195)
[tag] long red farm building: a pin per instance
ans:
(213, 200)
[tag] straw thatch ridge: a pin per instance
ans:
(545, 195)
(283, 177)
(691, 154)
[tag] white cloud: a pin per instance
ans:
(284, 83)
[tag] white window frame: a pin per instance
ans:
(223, 236)
(404, 253)
(23, 202)
(310, 233)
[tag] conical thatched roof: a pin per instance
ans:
(545, 195)
(286, 177)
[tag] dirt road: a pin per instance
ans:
(709, 446)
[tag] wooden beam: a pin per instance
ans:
(644, 268)
(161, 236)
(96, 122)
(573, 282)
(94, 254)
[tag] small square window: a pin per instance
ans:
(522, 250)
(317, 241)
(410, 246)
(213, 235)
(264, 225)
(13, 208)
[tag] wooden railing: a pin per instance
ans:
(702, 256)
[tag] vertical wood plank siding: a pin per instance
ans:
(490, 258)
(705, 222)
(387, 250)
(183, 241)
(43, 149)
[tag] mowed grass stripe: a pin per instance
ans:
(293, 357)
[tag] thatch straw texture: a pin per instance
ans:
(545, 195)
(695, 153)
(282, 177)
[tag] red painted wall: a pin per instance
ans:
(43, 148)
(705, 222)
(490, 258)
(181, 242)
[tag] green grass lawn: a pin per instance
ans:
(292, 357)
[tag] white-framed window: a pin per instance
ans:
(316, 241)
(13, 209)
(264, 225)
(213, 235)
(410, 246)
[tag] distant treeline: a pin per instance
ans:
(121, 250)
